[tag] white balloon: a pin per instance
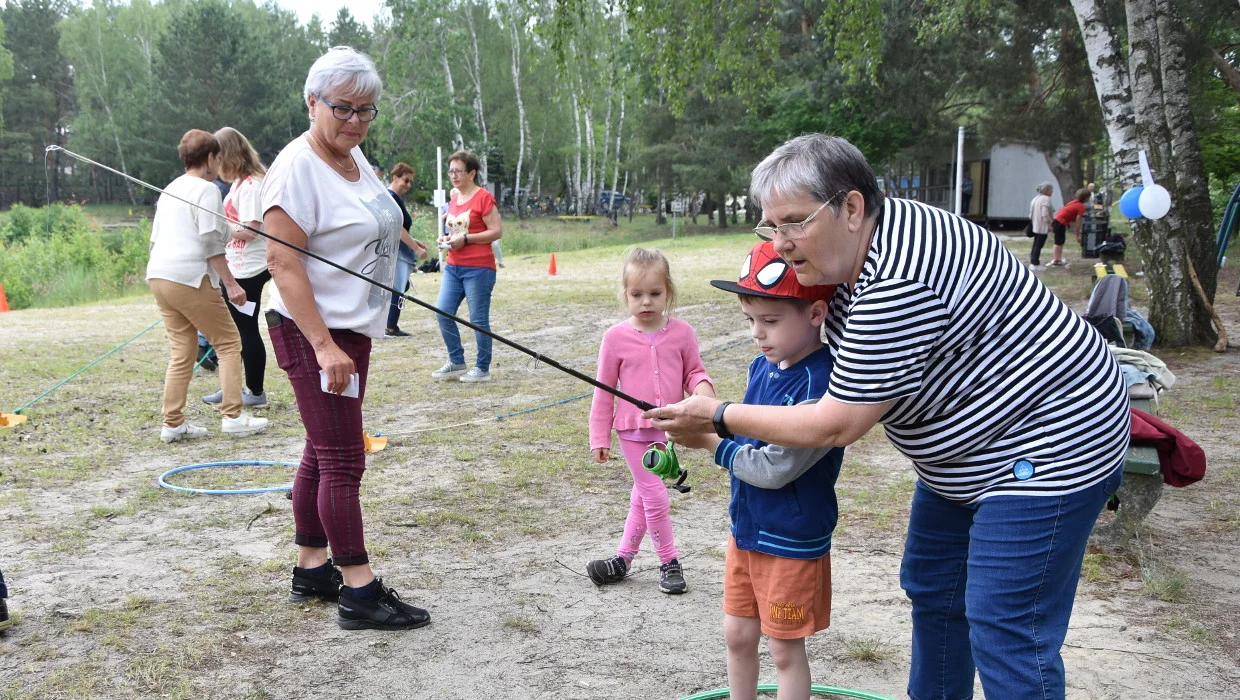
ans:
(1155, 202)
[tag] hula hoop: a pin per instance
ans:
(771, 688)
(224, 492)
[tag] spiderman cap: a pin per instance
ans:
(765, 274)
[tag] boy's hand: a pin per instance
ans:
(602, 454)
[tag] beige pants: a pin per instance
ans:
(186, 311)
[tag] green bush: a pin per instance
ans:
(55, 257)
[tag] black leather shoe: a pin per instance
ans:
(386, 612)
(307, 588)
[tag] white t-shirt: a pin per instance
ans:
(183, 236)
(353, 224)
(244, 203)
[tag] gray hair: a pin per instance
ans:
(343, 71)
(1047, 185)
(817, 165)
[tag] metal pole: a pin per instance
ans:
(959, 169)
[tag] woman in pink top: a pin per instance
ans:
(652, 357)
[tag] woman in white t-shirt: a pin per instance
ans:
(247, 256)
(185, 270)
(321, 195)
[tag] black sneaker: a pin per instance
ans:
(5, 622)
(307, 588)
(672, 578)
(395, 332)
(386, 612)
(605, 571)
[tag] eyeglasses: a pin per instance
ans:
(344, 113)
(794, 231)
(456, 171)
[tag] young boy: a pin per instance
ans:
(777, 578)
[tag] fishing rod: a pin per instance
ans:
(645, 406)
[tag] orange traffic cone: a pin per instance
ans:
(550, 270)
(4, 303)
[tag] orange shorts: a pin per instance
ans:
(792, 597)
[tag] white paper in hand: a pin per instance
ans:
(349, 392)
(247, 308)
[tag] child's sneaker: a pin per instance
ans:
(184, 431)
(307, 587)
(672, 578)
(605, 571)
(1059, 263)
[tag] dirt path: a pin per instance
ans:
(124, 590)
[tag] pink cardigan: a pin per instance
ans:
(660, 372)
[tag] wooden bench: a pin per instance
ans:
(583, 219)
(1142, 485)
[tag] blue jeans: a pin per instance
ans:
(992, 586)
(404, 266)
(473, 284)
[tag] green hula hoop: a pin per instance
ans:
(771, 688)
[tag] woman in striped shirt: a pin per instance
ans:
(945, 337)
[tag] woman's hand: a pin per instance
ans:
(419, 249)
(235, 293)
(457, 242)
(698, 441)
(602, 454)
(691, 416)
(336, 365)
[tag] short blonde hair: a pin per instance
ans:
(638, 260)
(238, 158)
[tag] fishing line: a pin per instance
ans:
(645, 406)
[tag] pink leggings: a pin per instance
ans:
(649, 508)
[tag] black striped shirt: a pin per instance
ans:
(987, 368)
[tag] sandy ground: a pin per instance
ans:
(183, 596)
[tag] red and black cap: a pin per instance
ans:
(765, 274)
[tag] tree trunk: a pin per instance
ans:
(576, 183)
(592, 198)
(1110, 76)
(1061, 168)
(723, 210)
(517, 199)
(602, 164)
(1228, 71)
(459, 141)
(615, 173)
(1193, 191)
(1175, 310)
(475, 74)
(660, 218)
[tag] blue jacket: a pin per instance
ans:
(793, 511)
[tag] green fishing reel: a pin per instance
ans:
(662, 462)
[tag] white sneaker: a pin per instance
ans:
(1037, 268)
(244, 424)
(476, 375)
(448, 371)
(184, 431)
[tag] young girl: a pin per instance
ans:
(653, 357)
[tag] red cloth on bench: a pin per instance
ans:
(1181, 460)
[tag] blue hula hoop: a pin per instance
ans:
(224, 492)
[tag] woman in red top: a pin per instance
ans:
(1071, 213)
(471, 224)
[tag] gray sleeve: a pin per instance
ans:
(774, 466)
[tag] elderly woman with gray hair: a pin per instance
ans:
(943, 336)
(1041, 215)
(320, 194)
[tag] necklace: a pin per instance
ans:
(352, 165)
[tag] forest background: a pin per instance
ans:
(567, 100)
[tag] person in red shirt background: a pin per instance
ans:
(472, 224)
(1070, 215)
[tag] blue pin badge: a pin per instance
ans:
(1022, 470)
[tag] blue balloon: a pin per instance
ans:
(1129, 203)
